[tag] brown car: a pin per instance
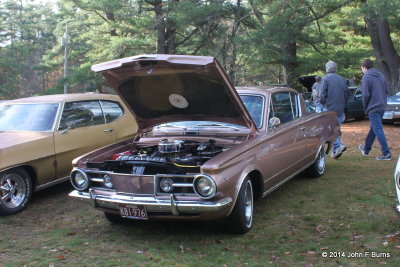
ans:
(40, 136)
(204, 150)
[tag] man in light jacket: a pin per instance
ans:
(333, 97)
(374, 90)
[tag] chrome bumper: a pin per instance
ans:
(152, 204)
(391, 115)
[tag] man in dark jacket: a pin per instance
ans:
(374, 90)
(333, 96)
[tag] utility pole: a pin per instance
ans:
(64, 42)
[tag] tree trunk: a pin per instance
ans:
(386, 55)
(289, 62)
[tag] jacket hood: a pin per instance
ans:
(165, 88)
(330, 66)
(372, 72)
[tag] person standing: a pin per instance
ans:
(333, 97)
(315, 89)
(374, 97)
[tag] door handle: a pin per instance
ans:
(108, 130)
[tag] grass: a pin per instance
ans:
(347, 210)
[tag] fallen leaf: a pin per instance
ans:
(310, 252)
(219, 241)
(325, 248)
(287, 252)
(61, 257)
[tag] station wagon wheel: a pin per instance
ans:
(241, 217)
(317, 169)
(15, 191)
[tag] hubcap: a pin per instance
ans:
(321, 161)
(248, 198)
(12, 190)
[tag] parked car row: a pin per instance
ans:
(180, 142)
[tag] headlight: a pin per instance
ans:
(166, 185)
(107, 181)
(79, 179)
(204, 186)
(397, 177)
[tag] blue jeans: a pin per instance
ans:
(376, 130)
(338, 142)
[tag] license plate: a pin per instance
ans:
(133, 211)
(388, 115)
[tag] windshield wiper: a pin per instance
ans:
(217, 125)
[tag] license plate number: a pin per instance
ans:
(388, 115)
(133, 211)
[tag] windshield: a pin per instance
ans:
(27, 117)
(255, 106)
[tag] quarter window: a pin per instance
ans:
(111, 110)
(81, 114)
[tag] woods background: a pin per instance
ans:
(256, 41)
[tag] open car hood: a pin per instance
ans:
(307, 82)
(165, 88)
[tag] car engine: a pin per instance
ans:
(169, 156)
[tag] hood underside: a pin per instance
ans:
(165, 88)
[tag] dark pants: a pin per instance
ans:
(376, 130)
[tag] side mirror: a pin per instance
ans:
(274, 122)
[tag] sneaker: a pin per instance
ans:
(384, 157)
(339, 151)
(362, 149)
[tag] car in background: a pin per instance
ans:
(41, 135)
(204, 150)
(354, 106)
(392, 113)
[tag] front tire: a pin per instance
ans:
(15, 191)
(317, 169)
(241, 217)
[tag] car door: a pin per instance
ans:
(286, 140)
(354, 106)
(82, 128)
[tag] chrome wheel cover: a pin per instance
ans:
(321, 160)
(248, 198)
(13, 190)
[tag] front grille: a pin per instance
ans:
(182, 184)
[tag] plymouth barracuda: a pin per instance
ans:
(204, 150)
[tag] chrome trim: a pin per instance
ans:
(58, 181)
(171, 205)
(182, 185)
(98, 180)
(84, 174)
(209, 178)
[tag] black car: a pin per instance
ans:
(354, 107)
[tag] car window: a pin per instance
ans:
(255, 106)
(295, 105)
(81, 114)
(282, 107)
(359, 92)
(111, 110)
(28, 117)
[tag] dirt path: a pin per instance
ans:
(354, 133)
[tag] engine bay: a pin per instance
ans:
(169, 156)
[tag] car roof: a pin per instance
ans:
(263, 89)
(59, 98)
